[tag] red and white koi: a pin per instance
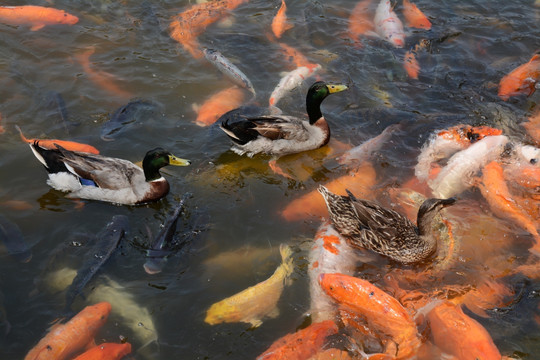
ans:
(292, 80)
(387, 24)
(458, 174)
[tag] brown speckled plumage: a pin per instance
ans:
(387, 232)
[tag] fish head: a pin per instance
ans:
(62, 17)
(116, 351)
(222, 312)
(512, 85)
(96, 315)
(337, 286)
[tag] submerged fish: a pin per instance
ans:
(13, 239)
(521, 80)
(106, 351)
(218, 104)
(36, 16)
(256, 302)
(63, 340)
(227, 68)
(291, 80)
(280, 23)
(161, 246)
(458, 334)
(69, 145)
(414, 16)
(388, 25)
(301, 344)
(108, 240)
(362, 152)
(360, 21)
(458, 173)
(134, 111)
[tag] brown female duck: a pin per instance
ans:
(368, 225)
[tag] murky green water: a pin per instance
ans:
(473, 44)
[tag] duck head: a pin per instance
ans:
(156, 159)
(428, 210)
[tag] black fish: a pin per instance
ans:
(108, 240)
(12, 237)
(57, 106)
(133, 112)
(162, 245)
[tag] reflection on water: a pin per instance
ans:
(66, 82)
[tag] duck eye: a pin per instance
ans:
(534, 161)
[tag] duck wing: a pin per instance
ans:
(271, 127)
(106, 172)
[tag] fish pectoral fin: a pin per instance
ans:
(274, 313)
(37, 27)
(255, 323)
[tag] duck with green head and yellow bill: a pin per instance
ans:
(96, 177)
(280, 135)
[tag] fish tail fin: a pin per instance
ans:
(287, 260)
(22, 135)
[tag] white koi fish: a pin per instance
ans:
(457, 175)
(330, 253)
(291, 80)
(387, 24)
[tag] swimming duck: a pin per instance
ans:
(96, 177)
(280, 135)
(368, 225)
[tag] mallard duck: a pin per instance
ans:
(280, 135)
(387, 232)
(97, 177)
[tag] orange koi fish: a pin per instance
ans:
(331, 354)
(301, 344)
(459, 335)
(36, 16)
(382, 313)
(488, 295)
(188, 25)
(294, 55)
(280, 23)
(50, 144)
(218, 104)
(358, 181)
(360, 21)
(414, 16)
(533, 127)
(495, 191)
(521, 80)
(2, 129)
(106, 351)
(411, 64)
(103, 79)
(64, 340)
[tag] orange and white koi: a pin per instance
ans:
(330, 253)
(521, 80)
(360, 21)
(387, 24)
(292, 80)
(64, 340)
(359, 181)
(382, 313)
(301, 344)
(256, 302)
(280, 24)
(36, 16)
(294, 55)
(458, 334)
(218, 104)
(445, 143)
(69, 145)
(106, 351)
(414, 16)
(103, 79)
(189, 24)
(458, 173)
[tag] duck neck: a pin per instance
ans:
(313, 107)
(151, 172)
(425, 231)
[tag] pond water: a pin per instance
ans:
(473, 44)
